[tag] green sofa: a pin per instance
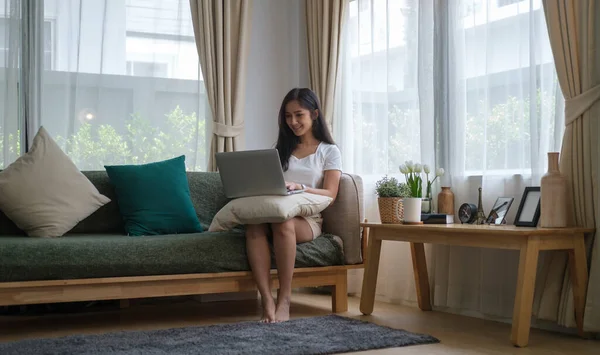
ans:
(97, 250)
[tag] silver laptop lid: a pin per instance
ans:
(251, 173)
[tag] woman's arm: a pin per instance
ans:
(331, 184)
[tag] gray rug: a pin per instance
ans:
(317, 335)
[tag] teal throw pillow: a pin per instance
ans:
(154, 198)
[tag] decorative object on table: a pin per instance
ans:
(528, 214)
(427, 200)
(390, 193)
(480, 217)
(446, 201)
(553, 212)
(426, 204)
(310, 335)
(498, 213)
(413, 205)
(437, 218)
(467, 213)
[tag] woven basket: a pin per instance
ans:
(390, 209)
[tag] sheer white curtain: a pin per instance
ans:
(387, 112)
(479, 98)
(119, 81)
(504, 113)
(11, 121)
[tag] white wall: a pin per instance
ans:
(277, 63)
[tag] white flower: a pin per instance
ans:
(418, 168)
(426, 169)
(404, 169)
(439, 172)
(410, 165)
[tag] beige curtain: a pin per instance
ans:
(324, 28)
(222, 31)
(574, 29)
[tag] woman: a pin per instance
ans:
(310, 161)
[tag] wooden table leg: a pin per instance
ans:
(367, 297)
(524, 299)
(421, 276)
(579, 278)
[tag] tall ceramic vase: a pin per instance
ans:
(553, 210)
(446, 201)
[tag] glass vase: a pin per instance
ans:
(426, 204)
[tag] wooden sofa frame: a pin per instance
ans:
(124, 288)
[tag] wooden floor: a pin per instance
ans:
(458, 334)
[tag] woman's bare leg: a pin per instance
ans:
(259, 257)
(285, 237)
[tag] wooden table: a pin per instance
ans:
(528, 240)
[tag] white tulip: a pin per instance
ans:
(426, 169)
(410, 165)
(403, 169)
(418, 168)
(439, 172)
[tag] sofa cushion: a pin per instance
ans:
(267, 209)
(44, 193)
(90, 256)
(154, 198)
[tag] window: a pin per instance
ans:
(502, 3)
(381, 69)
(178, 52)
(147, 69)
(511, 89)
(10, 76)
(125, 86)
(503, 109)
(4, 43)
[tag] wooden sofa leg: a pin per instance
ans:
(339, 299)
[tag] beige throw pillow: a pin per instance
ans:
(44, 193)
(267, 209)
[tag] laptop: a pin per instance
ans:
(252, 173)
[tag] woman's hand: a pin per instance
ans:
(291, 186)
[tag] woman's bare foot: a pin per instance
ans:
(282, 314)
(268, 305)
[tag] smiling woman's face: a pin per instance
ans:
(298, 118)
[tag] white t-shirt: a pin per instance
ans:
(311, 169)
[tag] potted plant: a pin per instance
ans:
(390, 193)
(413, 204)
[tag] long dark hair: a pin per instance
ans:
(287, 141)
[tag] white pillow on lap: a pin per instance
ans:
(44, 193)
(267, 209)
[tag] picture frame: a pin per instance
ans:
(528, 214)
(497, 215)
